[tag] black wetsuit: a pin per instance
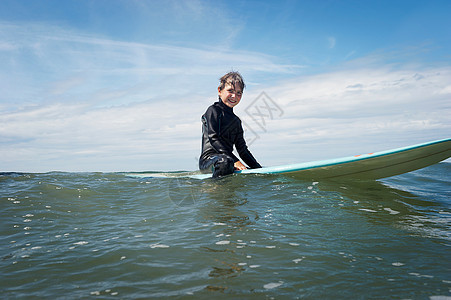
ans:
(221, 130)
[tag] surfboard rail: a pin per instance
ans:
(369, 166)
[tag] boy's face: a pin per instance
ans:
(230, 95)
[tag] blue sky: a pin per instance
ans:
(121, 85)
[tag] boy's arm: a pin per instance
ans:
(244, 152)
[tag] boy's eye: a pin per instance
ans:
(233, 92)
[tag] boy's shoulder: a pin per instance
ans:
(216, 106)
(213, 106)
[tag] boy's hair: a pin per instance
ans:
(232, 78)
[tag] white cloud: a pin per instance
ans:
(71, 137)
(68, 65)
(354, 111)
(81, 103)
(328, 115)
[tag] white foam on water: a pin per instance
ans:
(158, 246)
(426, 276)
(368, 210)
(81, 243)
(273, 285)
(223, 243)
(391, 211)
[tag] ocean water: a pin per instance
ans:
(109, 236)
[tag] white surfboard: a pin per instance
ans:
(366, 166)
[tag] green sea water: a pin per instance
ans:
(109, 236)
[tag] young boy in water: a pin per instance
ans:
(222, 129)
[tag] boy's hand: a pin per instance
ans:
(239, 166)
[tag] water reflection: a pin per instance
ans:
(382, 204)
(301, 228)
(224, 205)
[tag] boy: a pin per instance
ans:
(222, 129)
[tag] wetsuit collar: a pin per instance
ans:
(224, 106)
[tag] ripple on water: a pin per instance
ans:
(107, 235)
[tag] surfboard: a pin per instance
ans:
(369, 166)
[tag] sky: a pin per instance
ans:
(120, 85)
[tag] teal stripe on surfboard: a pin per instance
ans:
(366, 166)
(369, 166)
